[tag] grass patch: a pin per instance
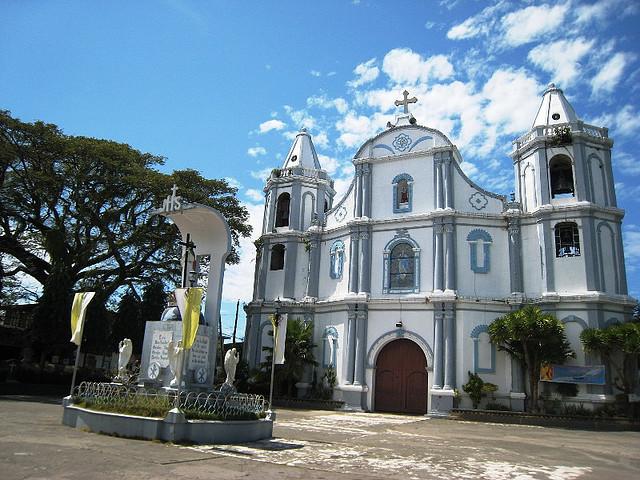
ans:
(156, 407)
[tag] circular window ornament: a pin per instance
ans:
(556, 116)
(294, 159)
(340, 214)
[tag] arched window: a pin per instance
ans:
(567, 240)
(402, 193)
(401, 265)
(326, 206)
(561, 175)
(277, 257)
(479, 250)
(484, 352)
(336, 256)
(282, 210)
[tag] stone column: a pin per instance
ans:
(437, 349)
(365, 262)
(361, 343)
(438, 273)
(515, 255)
(294, 206)
(366, 190)
(271, 222)
(264, 268)
(439, 183)
(353, 262)
(548, 254)
(314, 266)
(450, 257)
(542, 181)
(358, 190)
(449, 349)
(290, 261)
(351, 346)
(448, 180)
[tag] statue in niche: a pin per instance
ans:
(231, 360)
(175, 353)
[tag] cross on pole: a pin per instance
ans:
(406, 101)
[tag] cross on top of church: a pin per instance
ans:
(406, 101)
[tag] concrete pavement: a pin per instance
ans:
(316, 445)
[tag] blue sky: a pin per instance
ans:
(223, 86)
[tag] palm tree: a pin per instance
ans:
(533, 338)
(298, 354)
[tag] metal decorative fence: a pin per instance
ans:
(123, 398)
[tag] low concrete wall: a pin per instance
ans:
(173, 428)
(545, 420)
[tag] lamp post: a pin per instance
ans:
(276, 321)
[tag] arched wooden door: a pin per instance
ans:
(401, 378)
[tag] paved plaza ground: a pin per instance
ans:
(315, 445)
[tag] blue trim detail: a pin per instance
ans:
(336, 258)
(329, 331)
(474, 238)
(402, 142)
(402, 237)
(385, 147)
(421, 139)
(408, 206)
(475, 336)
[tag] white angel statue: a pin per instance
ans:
(175, 353)
(125, 348)
(231, 360)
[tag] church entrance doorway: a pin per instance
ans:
(401, 378)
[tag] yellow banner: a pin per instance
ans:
(190, 315)
(78, 311)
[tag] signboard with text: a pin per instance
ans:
(584, 374)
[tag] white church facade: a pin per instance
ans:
(402, 276)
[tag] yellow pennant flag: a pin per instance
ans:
(78, 310)
(188, 300)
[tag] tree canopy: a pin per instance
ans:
(619, 345)
(76, 213)
(533, 338)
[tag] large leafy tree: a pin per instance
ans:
(76, 213)
(533, 337)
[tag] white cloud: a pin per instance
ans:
(238, 279)
(255, 151)
(340, 104)
(598, 12)
(403, 65)
(561, 58)
(271, 125)
(609, 75)
(315, 73)
(301, 118)
(625, 122)
(429, 25)
(255, 195)
(261, 175)
(233, 182)
(626, 163)
(366, 72)
(329, 164)
(321, 140)
(482, 23)
(356, 129)
(527, 24)
(631, 239)
(513, 100)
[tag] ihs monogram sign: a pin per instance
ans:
(173, 202)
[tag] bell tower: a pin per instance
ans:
(296, 197)
(564, 184)
(562, 160)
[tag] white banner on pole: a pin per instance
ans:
(281, 336)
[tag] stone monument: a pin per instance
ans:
(206, 242)
(125, 349)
